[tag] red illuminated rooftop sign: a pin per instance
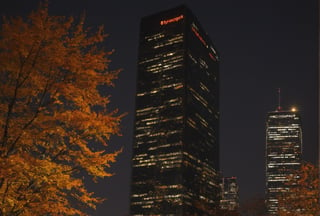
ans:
(175, 19)
(212, 57)
(198, 35)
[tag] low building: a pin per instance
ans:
(230, 194)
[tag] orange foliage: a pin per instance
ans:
(50, 67)
(303, 196)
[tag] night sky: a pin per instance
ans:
(263, 45)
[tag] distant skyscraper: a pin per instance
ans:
(230, 194)
(175, 160)
(283, 153)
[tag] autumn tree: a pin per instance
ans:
(303, 197)
(53, 121)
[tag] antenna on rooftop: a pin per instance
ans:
(279, 99)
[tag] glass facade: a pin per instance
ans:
(175, 161)
(283, 154)
(230, 194)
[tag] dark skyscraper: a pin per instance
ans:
(176, 146)
(283, 153)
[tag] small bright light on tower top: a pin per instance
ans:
(293, 109)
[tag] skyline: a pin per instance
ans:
(276, 48)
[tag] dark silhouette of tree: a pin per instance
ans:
(225, 212)
(253, 207)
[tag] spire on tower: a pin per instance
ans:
(279, 100)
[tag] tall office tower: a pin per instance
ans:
(283, 153)
(230, 194)
(176, 144)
